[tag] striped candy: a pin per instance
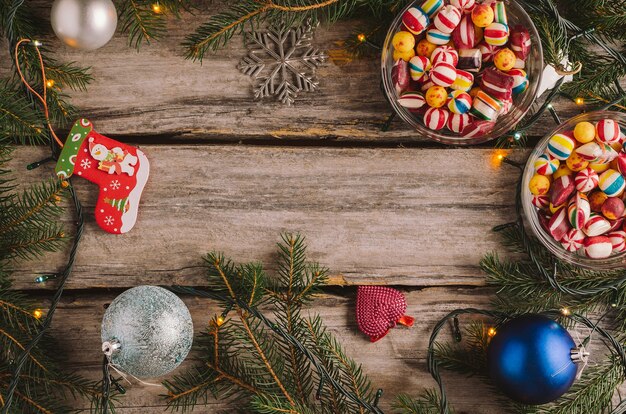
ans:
(607, 155)
(437, 37)
(488, 51)
(520, 41)
(466, 35)
(499, 12)
(612, 183)
(464, 5)
(507, 104)
(546, 164)
(463, 82)
(520, 80)
(459, 102)
(412, 100)
(542, 202)
(607, 131)
(415, 20)
(599, 247)
(496, 34)
(573, 240)
(418, 65)
(596, 225)
(560, 146)
(400, 75)
(447, 19)
(618, 241)
(497, 84)
(431, 7)
(446, 54)
(436, 118)
(586, 180)
(478, 129)
(592, 151)
(457, 122)
(443, 74)
(485, 107)
(426, 83)
(470, 59)
(579, 211)
(558, 225)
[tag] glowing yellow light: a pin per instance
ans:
(491, 332)
(50, 83)
(37, 313)
(565, 312)
(156, 7)
(65, 184)
(361, 37)
(579, 101)
(497, 156)
(220, 320)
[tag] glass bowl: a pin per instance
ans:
(530, 211)
(505, 123)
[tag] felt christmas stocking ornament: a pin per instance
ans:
(379, 309)
(121, 171)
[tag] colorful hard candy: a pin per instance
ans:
(496, 34)
(499, 12)
(403, 41)
(457, 122)
(562, 189)
(487, 51)
(412, 100)
(463, 82)
(539, 185)
(431, 7)
(586, 180)
(599, 247)
(466, 35)
(485, 107)
(607, 155)
(497, 84)
(418, 65)
(436, 118)
(592, 151)
(436, 96)
(618, 240)
(400, 76)
(459, 102)
(611, 183)
(507, 104)
(584, 132)
(576, 163)
(563, 170)
(470, 60)
(445, 54)
(542, 202)
(599, 168)
(578, 211)
(425, 48)
(437, 37)
(560, 146)
(558, 225)
(426, 83)
(504, 59)
(613, 208)
(519, 40)
(482, 15)
(480, 128)
(447, 19)
(519, 64)
(596, 225)
(443, 74)
(616, 224)
(607, 131)
(464, 5)
(573, 240)
(596, 200)
(520, 80)
(554, 209)
(546, 164)
(621, 163)
(406, 56)
(415, 20)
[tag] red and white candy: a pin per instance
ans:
(598, 247)
(496, 34)
(457, 122)
(466, 35)
(520, 41)
(607, 131)
(596, 225)
(497, 84)
(446, 54)
(542, 202)
(464, 5)
(579, 211)
(478, 128)
(586, 180)
(415, 20)
(618, 241)
(573, 240)
(447, 19)
(436, 118)
(558, 225)
(412, 100)
(488, 51)
(443, 74)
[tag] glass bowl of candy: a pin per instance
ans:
(573, 190)
(462, 72)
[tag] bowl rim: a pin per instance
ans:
(387, 64)
(530, 211)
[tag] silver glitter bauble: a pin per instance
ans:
(153, 328)
(84, 24)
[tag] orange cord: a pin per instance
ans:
(42, 99)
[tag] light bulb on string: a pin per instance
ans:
(565, 312)
(37, 313)
(50, 83)
(156, 7)
(579, 101)
(361, 37)
(491, 332)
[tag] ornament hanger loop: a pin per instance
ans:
(41, 98)
(560, 69)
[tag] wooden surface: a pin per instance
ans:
(230, 174)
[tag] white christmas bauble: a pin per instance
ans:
(84, 24)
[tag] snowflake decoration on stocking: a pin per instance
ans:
(282, 61)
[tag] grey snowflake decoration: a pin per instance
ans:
(282, 61)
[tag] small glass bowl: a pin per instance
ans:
(505, 123)
(530, 211)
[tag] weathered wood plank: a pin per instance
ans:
(157, 93)
(383, 216)
(396, 363)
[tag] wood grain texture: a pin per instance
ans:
(156, 93)
(418, 217)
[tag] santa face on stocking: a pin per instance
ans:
(121, 171)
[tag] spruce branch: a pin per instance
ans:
(427, 403)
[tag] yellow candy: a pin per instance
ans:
(474, 91)
(539, 184)
(584, 132)
(576, 163)
(403, 41)
(482, 15)
(425, 48)
(554, 209)
(562, 170)
(617, 146)
(403, 55)
(504, 59)
(599, 168)
(436, 96)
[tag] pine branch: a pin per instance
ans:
(427, 403)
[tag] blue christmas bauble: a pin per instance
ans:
(529, 359)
